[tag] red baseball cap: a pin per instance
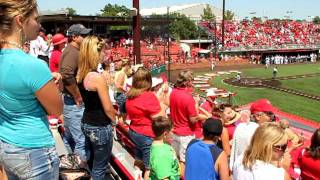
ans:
(58, 39)
(261, 105)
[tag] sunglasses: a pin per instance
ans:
(270, 115)
(281, 148)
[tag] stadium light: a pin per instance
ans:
(222, 29)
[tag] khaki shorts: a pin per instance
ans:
(180, 144)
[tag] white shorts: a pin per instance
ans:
(180, 144)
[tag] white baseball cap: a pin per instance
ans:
(156, 81)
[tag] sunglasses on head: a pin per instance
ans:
(282, 147)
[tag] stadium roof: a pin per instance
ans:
(193, 11)
(57, 12)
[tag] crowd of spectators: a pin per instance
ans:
(176, 135)
(269, 33)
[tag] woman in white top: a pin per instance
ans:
(265, 157)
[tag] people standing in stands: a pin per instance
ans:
(184, 115)
(309, 160)
(162, 91)
(142, 107)
(120, 78)
(58, 42)
(28, 95)
(261, 111)
(204, 159)
(163, 159)
(73, 106)
(205, 108)
(40, 47)
(99, 114)
(265, 157)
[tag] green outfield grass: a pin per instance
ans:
(283, 70)
(293, 104)
(308, 85)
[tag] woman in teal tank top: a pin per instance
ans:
(28, 94)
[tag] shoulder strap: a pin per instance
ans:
(215, 152)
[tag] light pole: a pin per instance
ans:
(136, 25)
(168, 43)
(222, 29)
(288, 14)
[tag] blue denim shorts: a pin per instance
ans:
(143, 145)
(29, 163)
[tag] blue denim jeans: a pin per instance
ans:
(143, 145)
(29, 163)
(121, 98)
(100, 139)
(73, 137)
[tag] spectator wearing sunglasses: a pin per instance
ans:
(265, 156)
(261, 111)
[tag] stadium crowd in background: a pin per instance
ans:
(269, 33)
(175, 133)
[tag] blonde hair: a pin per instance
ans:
(89, 56)
(141, 82)
(262, 142)
(12, 8)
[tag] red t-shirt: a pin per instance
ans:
(182, 107)
(55, 60)
(140, 109)
(310, 168)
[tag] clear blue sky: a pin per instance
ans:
(301, 9)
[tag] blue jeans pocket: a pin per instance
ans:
(30, 163)
(18, 163)
(98, 135)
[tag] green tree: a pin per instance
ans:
(184, 28)
(181, 27)
(228, 15)
(207, 14)
(115, 10)
(71, 11)
(316, 20)
(258, 19)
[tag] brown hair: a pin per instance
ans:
(12, 8)
(314, 149)
(89, 56)
(141, 82)
(183, 78)
(161, 125)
